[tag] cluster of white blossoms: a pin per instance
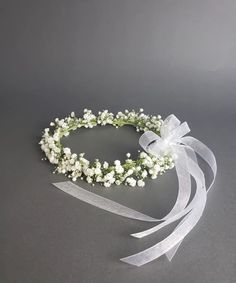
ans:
(130, 172)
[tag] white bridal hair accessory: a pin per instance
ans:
(183, 149)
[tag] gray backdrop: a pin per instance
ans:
(62, 56)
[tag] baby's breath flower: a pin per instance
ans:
(89, 179)
(97, 171)
(67, 150)
(107, 184)
(88, 172)
(117, 162)
(130, 172)
(141, 183)
(119, 169)
(105, 165)
(144, 174)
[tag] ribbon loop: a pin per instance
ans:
(171, 122)
(146, 140)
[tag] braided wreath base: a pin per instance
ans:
(131, 172)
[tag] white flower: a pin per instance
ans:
(117, 162)
(74, 156)
(61, 122)
(89, 179)
(143, 154)
(88, 172)
(56, 137)
(138, 168)
(84, 161)
(109, 176)
(67, 150)
(98, 179)
(77, 165)
(57, 149)
(128, 154)
(144, 174)
(141, 183)
(151, 171)
(50, 140)
(105, 165)
(119, 169)
(149, 163)
(130, 172)
(51, 159)
(98, 164)
(131, 182)
(112, 180)
(97, 171)
(156, 168)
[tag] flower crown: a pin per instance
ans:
(131, 172)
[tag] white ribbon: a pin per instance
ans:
(172, 140)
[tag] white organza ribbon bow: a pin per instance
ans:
(172, 140)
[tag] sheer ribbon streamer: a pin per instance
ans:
(183, 148)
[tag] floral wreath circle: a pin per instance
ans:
(131, 172)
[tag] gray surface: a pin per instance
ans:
(165, 56)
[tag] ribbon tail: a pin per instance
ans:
(209, 157)
(101, 202)
(182, 199)
(184, 184)
(205, 153)
(171, 253)
(193, 145)
(175, 238)
(184, 192)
